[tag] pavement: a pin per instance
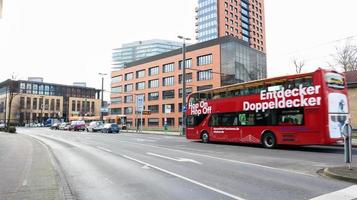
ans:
(26, 170)
(342, 173)
(153, 166)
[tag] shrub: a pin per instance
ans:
(11, 129)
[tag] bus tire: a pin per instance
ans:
(205, 137)
(269, 140)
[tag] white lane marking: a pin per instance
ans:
(145, 140)
(175, 159)
(185, 178)
(24, 182)
(344, 194)
(104, 149)
(224, 159)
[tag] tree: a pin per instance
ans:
(299, 64)
(12, 89)
(346, 57)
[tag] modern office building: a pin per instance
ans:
(214, 63)
(243, 19)
(35, 101)
(141, 49)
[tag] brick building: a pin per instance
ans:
(214, 63)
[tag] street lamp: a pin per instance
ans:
(183, 82)
(102, 104)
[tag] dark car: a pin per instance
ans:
(110, 128)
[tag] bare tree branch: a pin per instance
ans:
(346, 57)
(299, 64)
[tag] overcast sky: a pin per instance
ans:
(68, 41)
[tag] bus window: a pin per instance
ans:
(335, 80)
(291, 116)
(193, 99)
(195, 120)
(246, 119)
(224, 119)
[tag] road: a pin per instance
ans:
(142, 166)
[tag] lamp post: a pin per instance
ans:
(102, 104)
(183, 82)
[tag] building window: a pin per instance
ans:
(245, 25)
(34, 89)
(116, 89)
(153, 108)
(204, 60)
(128, 99)
(167, 81)
(52, 104)
(168, 108)
(168, 68)
(153, 71)
(140, 74)
(128, 88)
(153, 96)
(180, 107)
(188, 78)
(153, 122)
(154, 83)
(169, 121)
(168, 94)
(28, 103)
(58, 104)
(22, 102)
(115, 111)
(204, 75)
(128, 76)
(116, 100)
(92, 108)
(47, 102)
(78, 106)
(140, 86)
(34, 103)
(188, 63)
(188, 91)
(73, 105)
(128, 110)
(204, 87)
(117, 79)
(245, 38)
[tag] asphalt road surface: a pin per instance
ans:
(143, 166)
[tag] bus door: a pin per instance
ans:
(224, 126)
(247, 128)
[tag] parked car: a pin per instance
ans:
(94, 126)
(62, 126)
(78, 126)
(110, 128)
(2, 125)
(55, 126)
(67, 127)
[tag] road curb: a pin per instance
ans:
(327, 172)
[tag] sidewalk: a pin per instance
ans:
(342, 173)
(171, 133)
(26, 170)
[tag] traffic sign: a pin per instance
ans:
(140, 102)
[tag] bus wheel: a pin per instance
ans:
(205, 137)
(269, 140)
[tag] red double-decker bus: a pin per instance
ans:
(302, 109)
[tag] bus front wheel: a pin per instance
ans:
(205, 137)
(269, 140)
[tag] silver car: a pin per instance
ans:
(94, 126)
